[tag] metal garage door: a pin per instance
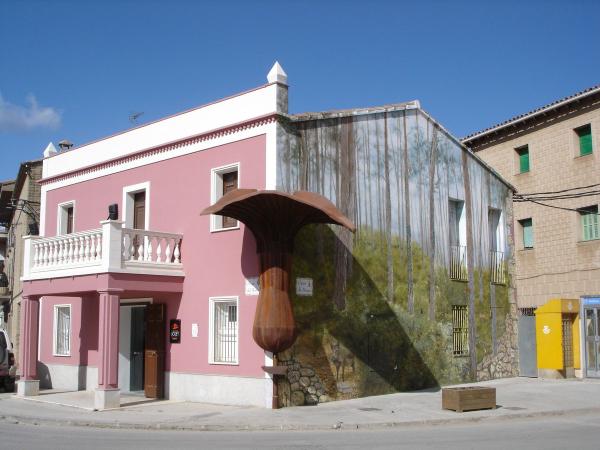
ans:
(527, 347)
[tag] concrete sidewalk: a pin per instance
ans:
(516, 398)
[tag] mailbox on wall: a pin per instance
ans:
(175, 331)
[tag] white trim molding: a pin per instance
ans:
(216, 189)
(128, 193)
(211, 329)
(61, 217)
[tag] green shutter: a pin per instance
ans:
(527, 225)
(523, 159)
(590, 226)
(585, 140)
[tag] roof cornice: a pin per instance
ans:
(514, 121)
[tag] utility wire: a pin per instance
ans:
(561, 191)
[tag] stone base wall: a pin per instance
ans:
(301, 386)
(505, 363)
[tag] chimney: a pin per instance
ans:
(50, 150)
(277, 75)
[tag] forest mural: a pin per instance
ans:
(380, 317)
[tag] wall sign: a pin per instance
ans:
(175, 331)
(252, 286)
(592, 301)
(304, 287)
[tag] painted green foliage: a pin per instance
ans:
(379, 319)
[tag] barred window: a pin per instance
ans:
(224, 334)
(62, 330)
(460, 330)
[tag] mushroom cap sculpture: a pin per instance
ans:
(275, 218)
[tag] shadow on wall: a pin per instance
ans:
(367, 341)
(88, 336)
(352, 341)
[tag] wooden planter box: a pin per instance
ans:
(468, 398)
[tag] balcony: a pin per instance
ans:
(458, 263)
(110, 248)
(497, 269)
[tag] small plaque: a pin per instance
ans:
(175, 331)
(195, 330)
(304, 287)
(252, 286)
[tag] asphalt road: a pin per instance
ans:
(577, 432)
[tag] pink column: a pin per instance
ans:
(30, 307)
(108, 341)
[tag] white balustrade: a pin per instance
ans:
(146, 247)
(66, 251)
(111, 248)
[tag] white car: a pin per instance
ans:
(8, 369)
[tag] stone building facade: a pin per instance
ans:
(551, 156)
(561, 262)
(23, 219)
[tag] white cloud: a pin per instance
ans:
(28, 117)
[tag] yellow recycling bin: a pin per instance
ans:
(557, 338)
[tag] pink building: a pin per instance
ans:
(103, 293)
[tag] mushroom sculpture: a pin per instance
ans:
(275, 218)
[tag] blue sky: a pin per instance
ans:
(78, 69)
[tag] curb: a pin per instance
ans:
(16, 420)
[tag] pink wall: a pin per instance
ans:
(215, 264)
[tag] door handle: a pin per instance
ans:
(137, 353)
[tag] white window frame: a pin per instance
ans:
(499, 231)
(55, 330)
(61, 217)
(128, 194)
(211, 329)
(216, 189)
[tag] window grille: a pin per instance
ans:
(62, 330)
(225, 332)
(458, 263)
(460, 330)
(497, 267)
(529, 311)
(567, 342)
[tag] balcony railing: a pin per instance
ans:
(111, 248)
(458, 263)
(497, 269)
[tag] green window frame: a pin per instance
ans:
(527, 225)
(523, 153)
(584, 135)
(589, 223)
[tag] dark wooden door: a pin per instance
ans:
(139, 220)
(154, 358)
(136, 367)
(230, 182)
(139, 210)
(69, 220)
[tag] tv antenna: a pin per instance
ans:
(133, 117)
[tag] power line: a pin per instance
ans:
(561, 191)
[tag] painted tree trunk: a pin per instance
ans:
(409, 256)
(432, 167)
(346, 201)
(388, 215)
(470, 264)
